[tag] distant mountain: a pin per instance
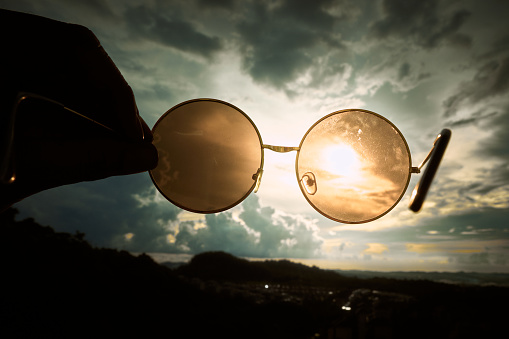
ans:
(224, 266)
(473, 278)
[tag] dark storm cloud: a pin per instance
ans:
(498, 143)
(227, 4)
(52, 9)
(483, 258)
(490, 82)
(500, 47)
(484, 224)
(488, 90)
(475, 119)
(491, 79)
(97, 7)
(167, 28)
(424, 22)
(468, 239)
(478, 225)
(148, 224)
(105, 211)
(260, 236)
(276, 41)
(404, 70)
(484, 183)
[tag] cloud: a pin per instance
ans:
(474, 119)
(424, 23)
(221, 233)
(168, 29)
(482, 224)
(106, 210)
(491, 79)
(146, 222)
(375, 248)
(95, 9)
(254, 232)
(479, 107)
(421, 248)
(497, 145)
(485, 260)
(224, 4)
(277, 39)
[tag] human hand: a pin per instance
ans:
(65, 62)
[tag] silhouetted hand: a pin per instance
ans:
(52, 147)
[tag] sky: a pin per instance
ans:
(424, 65)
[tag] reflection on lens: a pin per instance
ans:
(361, 165)
(209, 152)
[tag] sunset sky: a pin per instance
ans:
(424, 65)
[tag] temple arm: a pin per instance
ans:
(433, 159)
(7, 166)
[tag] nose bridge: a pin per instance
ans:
(307, 181)
(280, 149)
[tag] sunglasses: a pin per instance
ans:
(352, 166)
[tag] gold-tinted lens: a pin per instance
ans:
(209, 153)
(360, 165)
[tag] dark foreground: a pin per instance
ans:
(55, 285)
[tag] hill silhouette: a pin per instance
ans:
(57, 285)
(226, 267)
(221, 266)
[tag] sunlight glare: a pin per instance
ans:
(341, 160)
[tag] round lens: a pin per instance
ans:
(209, 155)
(353, 166)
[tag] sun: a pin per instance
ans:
(340, 160)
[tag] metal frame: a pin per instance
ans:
(7, 165)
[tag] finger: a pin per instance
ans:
(65, 62)
(48, 156)
(101, 86)
(82, 160)
(110, 157)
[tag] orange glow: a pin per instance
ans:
(421, 248)
(170, 238)
(376, 248)
(467, 251)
